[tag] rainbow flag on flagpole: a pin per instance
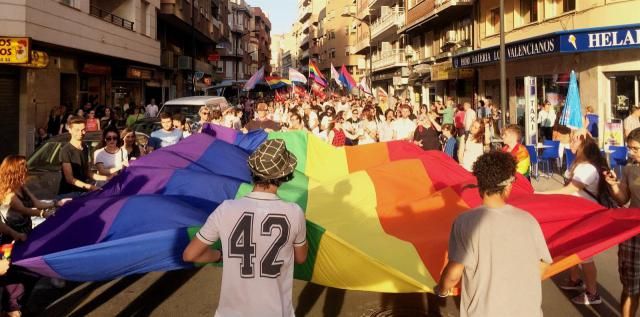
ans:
(316, 75)
(276, 82)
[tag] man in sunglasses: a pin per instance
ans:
(205, 117)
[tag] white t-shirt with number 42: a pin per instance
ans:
(258, 233)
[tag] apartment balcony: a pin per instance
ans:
(306, 26)
(304, 55)
(362, 9)
(305, 14)
(375, 4)
(388, 24)
(415, 57)
(435, 11)
(314, 50)
(389, 59)
(111, 18)
(304, 42)
(361, 46)
(236, 27)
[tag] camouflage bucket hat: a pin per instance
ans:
(272, 160)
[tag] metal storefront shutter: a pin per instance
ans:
(9, 112)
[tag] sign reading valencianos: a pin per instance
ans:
(14, 50)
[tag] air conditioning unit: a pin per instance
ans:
(451, 36)
(184, 63)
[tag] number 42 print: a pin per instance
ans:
(241, 245)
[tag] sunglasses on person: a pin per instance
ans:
(111, 138)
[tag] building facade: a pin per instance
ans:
(290, 49)
(378, 39)
(277, 41)
(337, 38)
(235, 60)
(189, 32)
(119, 61)
(435, 31)
(260, 41)
(546, 40)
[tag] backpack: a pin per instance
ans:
(605, 199)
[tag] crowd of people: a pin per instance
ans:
(476, 138)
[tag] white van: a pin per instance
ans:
(189, 106)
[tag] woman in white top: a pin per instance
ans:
(584, 180)
(472, 146)
(111, 158)
(385, 127)
(369, 127)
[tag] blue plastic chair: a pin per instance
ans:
(550, 154)
(533, 157)
(617, 158)
(569, 158)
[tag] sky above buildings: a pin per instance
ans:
(282, 13)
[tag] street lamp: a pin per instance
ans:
(346, 14)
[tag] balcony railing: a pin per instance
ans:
(305, 13)
(237, 27)
(305, 40)
(440, 3)
(111, 18)
(389, 58)
(394, 17)
(361, 45)
(304, 54)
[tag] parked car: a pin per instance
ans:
(44, 164)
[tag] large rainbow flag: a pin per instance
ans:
(378, 215)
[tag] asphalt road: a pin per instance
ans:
(196, 292)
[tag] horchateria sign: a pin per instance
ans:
(572, 41)
(528, 48)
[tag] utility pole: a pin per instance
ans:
(193, 48)
(370, 56)
(503, 68)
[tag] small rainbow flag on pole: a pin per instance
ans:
(316, 75)
(276, 82)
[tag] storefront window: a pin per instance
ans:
(624, 93)
(553, 88)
